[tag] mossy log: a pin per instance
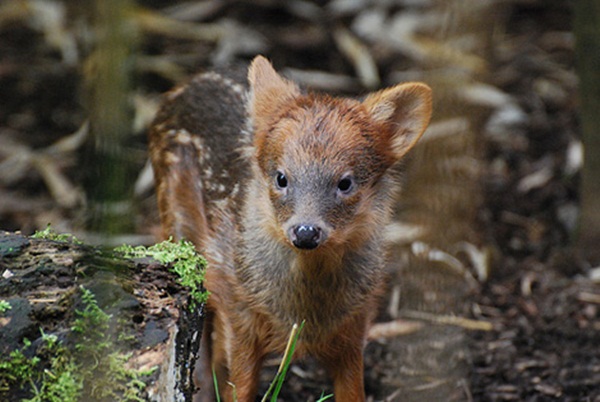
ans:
(150, 322)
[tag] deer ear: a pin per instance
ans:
(268, 90)
(406, 108)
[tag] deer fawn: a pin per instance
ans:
(287, 194)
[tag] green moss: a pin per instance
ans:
(4, 306)
(17, 367)
(104, 367)
(92, 325)
(183, 259)
(58, 380)
(50, 234)
(94, 370)
(181, 256)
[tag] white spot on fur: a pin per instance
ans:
(235, 190)
(183, 137)
(213, 76)
(171, 158)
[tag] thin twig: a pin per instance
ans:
(463, 322)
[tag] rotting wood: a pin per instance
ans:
(41, 279)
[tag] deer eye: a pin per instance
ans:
(345, 185)
(281, 180)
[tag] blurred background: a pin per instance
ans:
(488, 297)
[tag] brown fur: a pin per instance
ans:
(220, 191)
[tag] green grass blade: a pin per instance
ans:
(275, 385)
(217, 393)
(324, 397)
(287, 360)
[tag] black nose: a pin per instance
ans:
(306, 237)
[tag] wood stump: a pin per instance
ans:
(152, 321)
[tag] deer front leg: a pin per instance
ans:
(343, 358)
(244, 370)
(347, 374)
(209, 363)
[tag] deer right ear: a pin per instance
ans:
(406, 108)
(268, 90)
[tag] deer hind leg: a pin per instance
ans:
(178, 185)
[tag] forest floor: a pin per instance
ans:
(541, 298)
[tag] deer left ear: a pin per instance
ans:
(406, 108)
(268, 90)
